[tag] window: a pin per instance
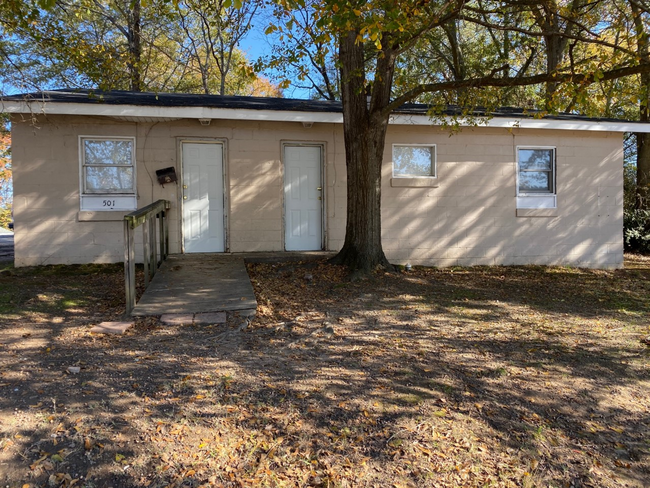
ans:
(536, 177)
(108, 165)
(414, 161)
(107, 173)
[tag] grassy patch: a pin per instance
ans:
(53, 289)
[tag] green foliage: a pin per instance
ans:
(5, 216)
(303, 55)
(636, 225)
(636, 222)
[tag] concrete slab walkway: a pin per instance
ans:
(198, 283)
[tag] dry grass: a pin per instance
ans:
(513, 376)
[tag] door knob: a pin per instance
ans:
(184, 197)
(185, 187)
(320, 188)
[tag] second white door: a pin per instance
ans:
(303, 216)
(203, 197)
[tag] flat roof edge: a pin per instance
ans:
(38, 107)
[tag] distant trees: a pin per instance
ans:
(185, 46)
(213, 30)
(6, 200)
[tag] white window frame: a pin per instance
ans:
(538, 199)
(434, 162)
(106, 200)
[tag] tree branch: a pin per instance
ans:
(509, 82)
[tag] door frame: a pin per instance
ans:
(323, 206)
(226, 186)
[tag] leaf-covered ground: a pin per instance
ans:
(504, 376)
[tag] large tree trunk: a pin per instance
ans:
(135, 47)
(364, 126)
(555, 41)
(643, 170)
(642, 140)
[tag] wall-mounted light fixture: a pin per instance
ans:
(205, 121)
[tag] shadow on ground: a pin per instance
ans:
(468, 377)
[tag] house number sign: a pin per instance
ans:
(99, 203)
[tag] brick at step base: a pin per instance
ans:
(207, 318)
(177, 319)
(112, 327)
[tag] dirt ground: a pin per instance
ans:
(486, 377)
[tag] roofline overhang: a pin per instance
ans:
(265, 115)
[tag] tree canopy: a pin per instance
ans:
(155, 45)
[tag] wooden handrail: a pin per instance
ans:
(145, 215)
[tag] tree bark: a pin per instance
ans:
(364, 127)
(643, 171)
(135, 46)
(642, 200)
(555, 40)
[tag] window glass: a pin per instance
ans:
(109, 178)
(413, 161)
(108, 152)
(536, 170)
(535, 181)
(108, 166)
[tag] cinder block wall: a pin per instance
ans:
(469, 218)
(51, 229)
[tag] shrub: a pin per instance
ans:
(636, 230)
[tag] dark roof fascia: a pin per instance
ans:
(117, 97)
(177, 100)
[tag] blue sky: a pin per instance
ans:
(257, 44)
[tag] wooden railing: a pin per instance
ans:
(152, 240)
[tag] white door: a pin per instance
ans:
(302, 198)
(203, 206)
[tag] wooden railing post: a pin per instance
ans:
(166, 226)
(129, 266)
(153, 259)
(146, 216)
(161, 235)
(145, 252)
